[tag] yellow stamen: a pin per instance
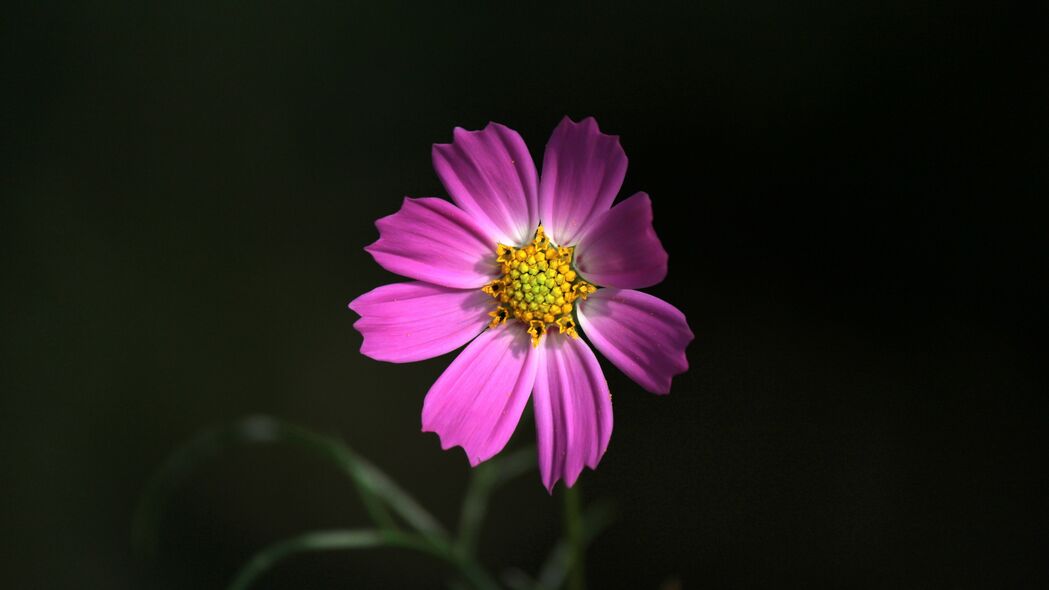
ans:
(498, 316)
(565, 324)
(536, 329)
(538, 286)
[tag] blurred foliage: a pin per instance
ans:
(398, 519)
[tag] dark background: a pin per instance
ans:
(846, 192)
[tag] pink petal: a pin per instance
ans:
(582, 172)
(491, 176)
(620, 247)
(642, 335)
(432, 240)
(573, 409)
(477, 402)
(406, 322)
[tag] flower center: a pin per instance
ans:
(538, 287)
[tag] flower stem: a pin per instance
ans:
(574, 533)
(476, 574)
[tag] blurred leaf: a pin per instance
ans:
(325, 541)
(484, 480)
(403, 504)
(515, 579)
(377, 490)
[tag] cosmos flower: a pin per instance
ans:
(519, 266)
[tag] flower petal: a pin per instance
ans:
(620, 247)
(406, 322)
(642, 335)
(490, 175)
(583, 170)
(477, 402)
(432, 240)
(573, 409)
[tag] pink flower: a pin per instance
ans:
(487, 273)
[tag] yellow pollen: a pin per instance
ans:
(538, 287)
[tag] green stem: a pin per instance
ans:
(476, 574)
(574, 533)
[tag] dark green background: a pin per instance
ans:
(845, 191)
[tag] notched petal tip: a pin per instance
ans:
(568, 481)
(621, 247)
(446, 445)
(458, 133)
(411, 321)
(477, 402)
(642, 335)
(589, 123)
(432, 240)
(573, 411)
(677, 360)
(461, 133)
(583, 170)
(489, 173)
(497, 125)
(373, 247)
